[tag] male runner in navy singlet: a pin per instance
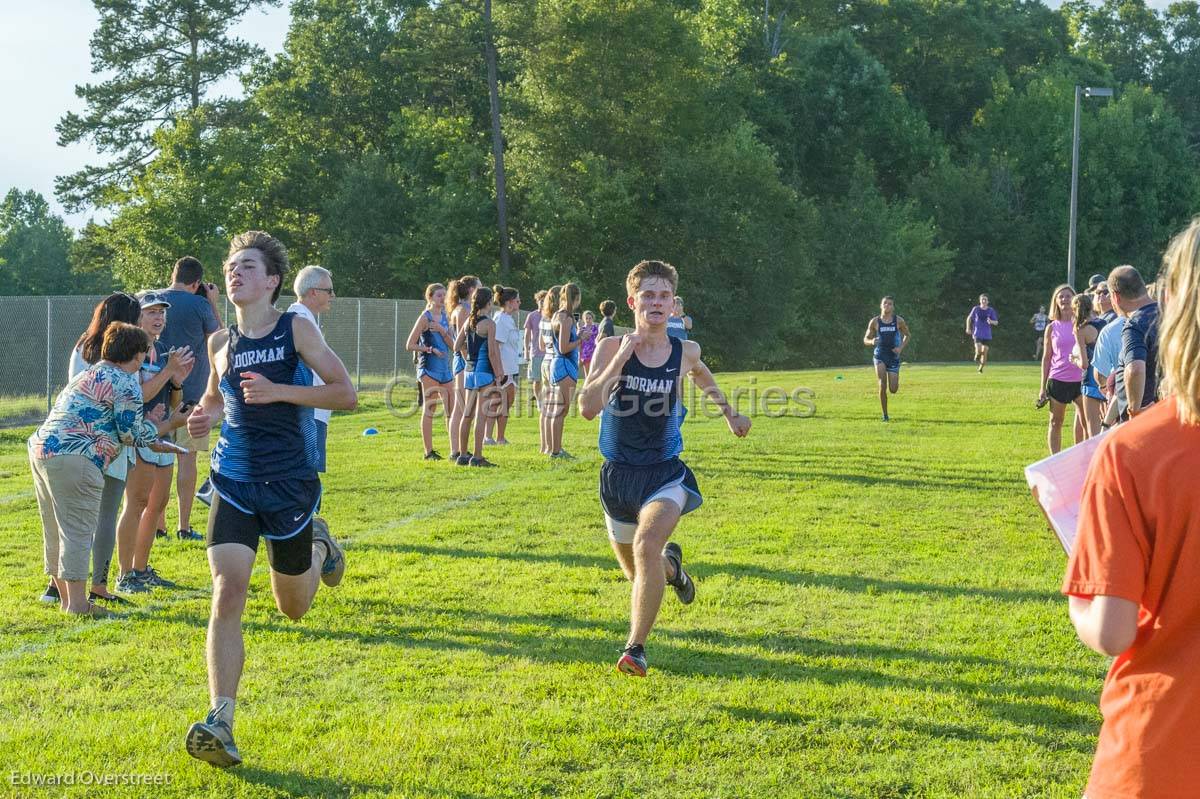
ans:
(635, 387)
(263, 469)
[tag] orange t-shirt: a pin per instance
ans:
(1139, 539)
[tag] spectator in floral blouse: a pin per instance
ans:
(98, 412)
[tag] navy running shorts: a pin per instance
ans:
(280, 511)
(625, 489)
(890, 361)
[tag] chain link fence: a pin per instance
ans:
(37, 335)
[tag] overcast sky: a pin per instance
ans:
(44, 53)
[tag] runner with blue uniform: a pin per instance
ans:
(563, 357)
(458, 301)
(888, 334)
(263, 470)
(635, 387)
(479, 347)
(431, 342)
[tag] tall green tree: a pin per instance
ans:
(1179, 73)
(34, 245)
(163, 56)
(1127, 35)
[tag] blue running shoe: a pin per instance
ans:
(334, 565)
(682, 582)
(211, 740)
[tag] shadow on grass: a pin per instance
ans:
(929, 729)
(851, 583)
(1036, 698)
(999, 687)
(298, 784)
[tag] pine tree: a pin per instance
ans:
(164, 55)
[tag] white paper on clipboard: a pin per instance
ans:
(1057, 485)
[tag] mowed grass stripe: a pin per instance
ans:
(877, 617)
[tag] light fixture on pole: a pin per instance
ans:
(1080, 92)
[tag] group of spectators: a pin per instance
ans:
(1099, 353)
(1135, 562)
(104, 458)
(469, 352)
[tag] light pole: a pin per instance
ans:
(1080, 92)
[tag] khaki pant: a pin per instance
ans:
(68, 489)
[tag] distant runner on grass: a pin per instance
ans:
(980, 322)
(888, 334)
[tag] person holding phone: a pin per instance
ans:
(195, 315)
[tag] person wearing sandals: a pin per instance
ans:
(148, 486)
(477, 344)
(118, 307)
(564, 366)
(458, 301)
(431, 340)
(98, 413)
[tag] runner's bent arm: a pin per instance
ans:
(869, 336)
(337, 394)
(703, 378)
(902, 326)
(608, 360)
(414, 338)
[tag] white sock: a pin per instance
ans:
(223, 705)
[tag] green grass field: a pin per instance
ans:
(877, 616)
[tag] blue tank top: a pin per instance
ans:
(888, 335)
(573, 355)
(149, 370)
(676, 328)
(642, 417)
(477, 351)
(263, 443)
(1089, 377)
(433, 361)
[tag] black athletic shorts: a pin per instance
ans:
(1064, 391)
(280, 511)
(987, 342)
(624, 489)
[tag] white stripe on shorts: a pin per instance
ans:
(623, 532)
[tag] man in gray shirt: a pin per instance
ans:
(192, 319)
